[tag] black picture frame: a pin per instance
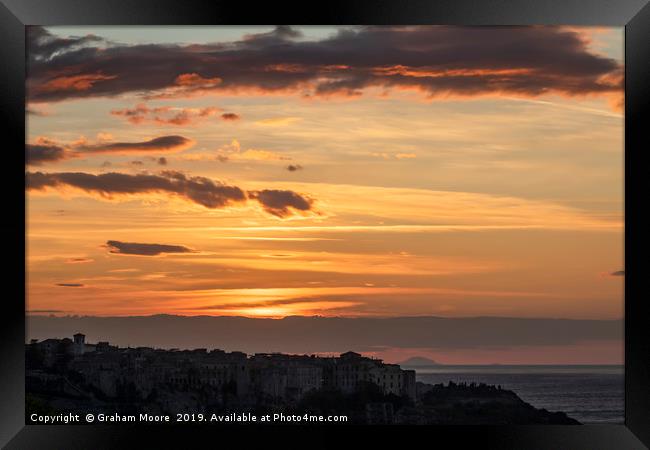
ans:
(634, 15)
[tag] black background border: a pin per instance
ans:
(633, 14)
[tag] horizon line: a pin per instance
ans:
(53, 314)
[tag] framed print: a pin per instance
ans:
(375, 218)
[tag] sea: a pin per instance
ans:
(589, 394)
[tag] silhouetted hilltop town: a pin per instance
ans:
(70, 375)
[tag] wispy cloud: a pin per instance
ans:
(278, 121)
(80, 260)
(167, 115)
(234, 152)
(386, 155)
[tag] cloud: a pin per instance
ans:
(385, 155)
(405, 156)
(189, 83)
(282, 203)
(167, 115)
(44, 45)
(259, 155)
(76, 83)
(44, 152)
(278, 121)
(230, 116)
(79, 260)
(70, 284)
(248, 305)
(171, 143)
(35, 111)
(294, 167)
(618, 273)
(439, 61)
(199, 190)
(162, 161)
(196, 189)
(279, 35)
(233, 151)
(134, 248)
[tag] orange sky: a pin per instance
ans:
(359, 187)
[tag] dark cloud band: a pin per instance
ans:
(437, 60)
(134, 248)
(38, 154)
(280, 203)
(200, 190)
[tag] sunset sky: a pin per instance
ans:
(348, 171)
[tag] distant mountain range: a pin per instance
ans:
(313, 334)
(418, 361)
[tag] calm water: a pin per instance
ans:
(589, 394)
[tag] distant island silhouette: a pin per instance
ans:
(418, 361)
(68, 376)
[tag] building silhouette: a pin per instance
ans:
(108, 369)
